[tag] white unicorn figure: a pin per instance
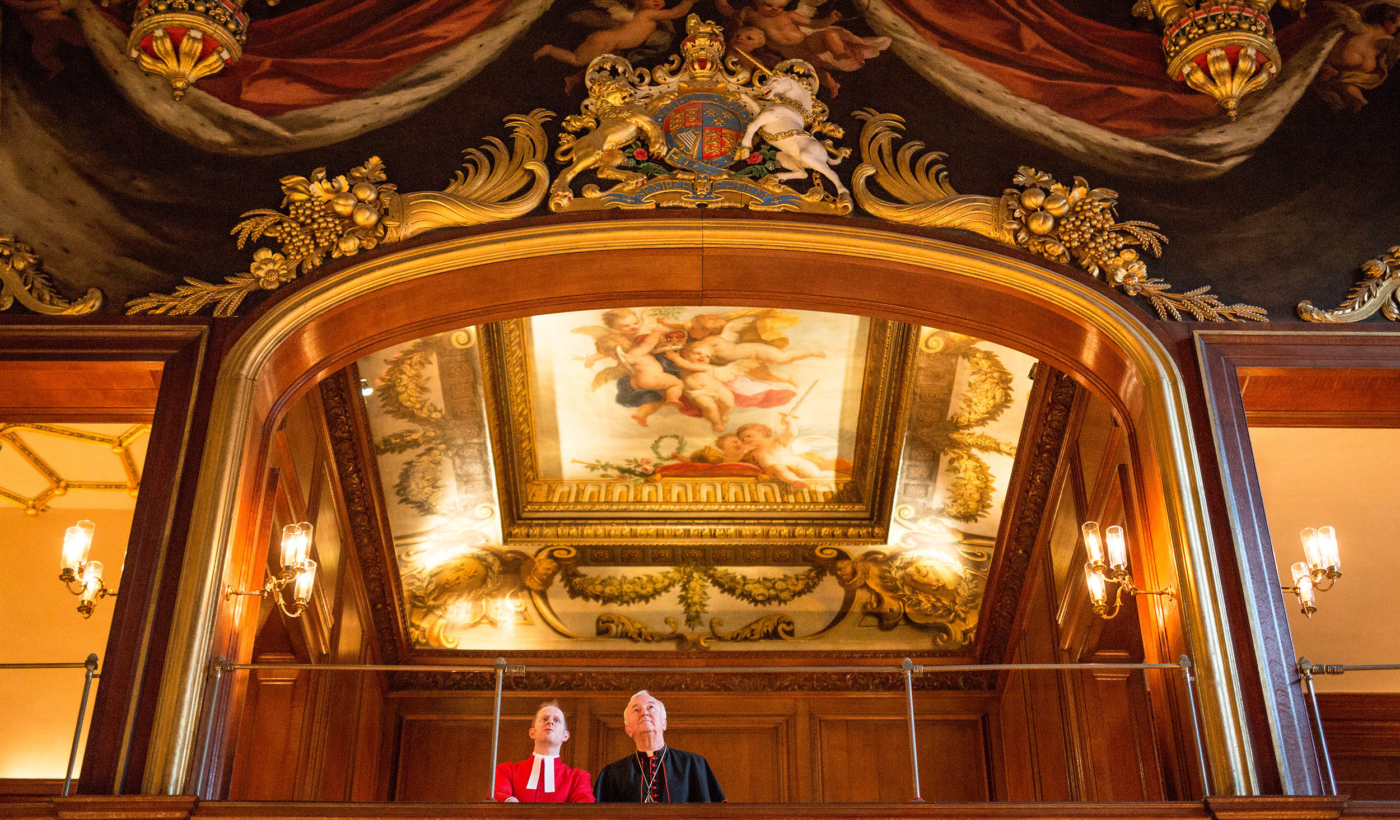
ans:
(783, 123)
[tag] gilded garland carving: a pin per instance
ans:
(1063, 223)
(341, 216)
(1378, 290)
(23, 280)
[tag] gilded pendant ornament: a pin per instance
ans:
(23, 280)
(341, 216)
(1069, 224)
(1379, 289)
(1225, 51)
(703, 118)
(186, 40)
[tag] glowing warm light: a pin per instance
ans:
(460, 612)
(306, 578)
(92, 583)
(505, 614)
(1117, 548)
(296, 544)
(439, 554)
(1303, 585)
(77, 542)
(1093, 543)
(1320, 550)
(1098, 587)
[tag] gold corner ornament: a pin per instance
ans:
(341, 216)
(23, 280)
(1379, 289)
(1064, 223)
(1223, 50)
(729, 137)
(187, 40)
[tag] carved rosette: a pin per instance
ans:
(1070, 224)
(1379, 289)
(185, 40)
(23, 280)
(1223, 50)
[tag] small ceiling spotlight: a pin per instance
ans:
(1108, 564)
(297, 569)
(1321, 565)
(77, 569)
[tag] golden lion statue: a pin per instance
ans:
(617, 121)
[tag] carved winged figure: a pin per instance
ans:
(782, 121)
(617, 120)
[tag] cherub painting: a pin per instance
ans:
(623, 29)
(774, 453)
(1363, 57)
(800, 33)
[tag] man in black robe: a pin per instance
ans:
(655, 773)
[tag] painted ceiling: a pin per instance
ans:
(117, 186)
(697, 477)
(82, 466)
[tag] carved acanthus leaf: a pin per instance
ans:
(23, 280)
(1379, 289)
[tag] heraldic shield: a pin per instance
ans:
(731, 136)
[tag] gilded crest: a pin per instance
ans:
(701, 132)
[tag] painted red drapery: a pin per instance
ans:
(338, 49)
(1105, 76)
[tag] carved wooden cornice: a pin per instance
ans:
(693, 680)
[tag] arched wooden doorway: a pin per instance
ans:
(517, 270)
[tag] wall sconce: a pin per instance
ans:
(77, 543)
(1321, 564)
(1108, 564)
(297, 569)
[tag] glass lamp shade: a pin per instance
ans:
(1093, 544)
(77, 542)
(1098, 587)
(296, 545)
(1117, 548)
(92, 582)
(1303, 583)
(1320, 551)
(306, 579)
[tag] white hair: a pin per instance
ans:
(639, 694)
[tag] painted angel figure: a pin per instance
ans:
(1363, 57)
(799, 33)
(706, 385)
(724, 338)
(625, 28)
(644, 380)
(775, 454)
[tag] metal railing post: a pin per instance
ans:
(496, 728)
(1305, 673)
(909, 669)
(91, 665)
(1190, 677)
(211, 708)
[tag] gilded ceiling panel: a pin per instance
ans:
(717, 477)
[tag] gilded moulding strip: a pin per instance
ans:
(1165, 422)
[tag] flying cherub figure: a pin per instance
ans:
(630, 32)
(1363, 57)
(706, 384)
(720, 338)
(775, 455)
(801, 34)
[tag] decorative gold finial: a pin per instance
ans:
(22, 279)
(185, 40)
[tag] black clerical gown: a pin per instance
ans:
(684, 778)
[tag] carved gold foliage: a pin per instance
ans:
(770, 627)
(1379, 289)
(1070, 224)
(694, 582)
(23, 280)
(343, 215)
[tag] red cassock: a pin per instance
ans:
(570, 785)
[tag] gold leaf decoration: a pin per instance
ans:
(341, 216)
(1379, 289)
(23, 280)
(1069, 224)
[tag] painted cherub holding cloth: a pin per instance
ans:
(705, 384)
(775, 455)
(723, 339)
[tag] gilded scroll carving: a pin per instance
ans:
(23, 280)
(1378, 290)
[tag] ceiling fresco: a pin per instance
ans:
(1278, 199)
(702, 478)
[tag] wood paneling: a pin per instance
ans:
(747, 752)
(1363, 736)
(865, 759)
(446, 759)
(1311, 397)
(89, 391)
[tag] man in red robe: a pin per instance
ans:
(543, 778)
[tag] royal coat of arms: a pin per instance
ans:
(729, 137)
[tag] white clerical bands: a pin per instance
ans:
(548, 772)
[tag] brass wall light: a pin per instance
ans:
(298, 570)
(1321, 565)
(77, 569)
(1108, 564)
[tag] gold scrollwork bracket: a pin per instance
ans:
(23, 280)
(1069, 224)
(1379, 289)
(357, 211)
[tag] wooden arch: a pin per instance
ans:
(520, 269)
